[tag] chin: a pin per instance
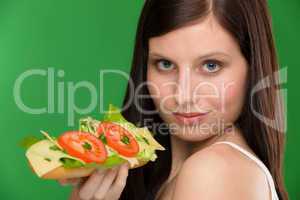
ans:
(192, 136)
(210, 126)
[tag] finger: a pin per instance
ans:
(75, 194)
(81, 182)
(106, 183)
(90, 186)
(119, 183)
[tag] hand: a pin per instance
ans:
(103, 184)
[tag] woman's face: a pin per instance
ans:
(196, 77)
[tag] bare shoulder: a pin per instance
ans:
(220, 172)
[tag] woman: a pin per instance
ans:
(202, 60)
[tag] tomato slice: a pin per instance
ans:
(84, 146)
(119, 139)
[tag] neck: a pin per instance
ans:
(233, 134)
(180, 152)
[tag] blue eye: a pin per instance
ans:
(165, 65)
(211, 66)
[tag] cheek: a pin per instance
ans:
(158, 87)
(232, 99)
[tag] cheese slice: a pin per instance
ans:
(132, 161)
(51, 139)
(147, 134)
(43, 159)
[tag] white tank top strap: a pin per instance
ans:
(259, 163)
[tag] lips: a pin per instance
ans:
(189, 118)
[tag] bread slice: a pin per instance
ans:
(66, 173)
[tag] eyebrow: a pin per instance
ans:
(204, 56)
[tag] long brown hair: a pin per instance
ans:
(249, 23)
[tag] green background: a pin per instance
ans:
(80, 38)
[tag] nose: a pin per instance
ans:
(184, 87)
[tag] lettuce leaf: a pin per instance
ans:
(114, 115)
(89, 125)
(70, 163)
(110, 162)
(28, 141)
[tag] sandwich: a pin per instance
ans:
(97, 144)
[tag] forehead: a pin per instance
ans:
(194, 40)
